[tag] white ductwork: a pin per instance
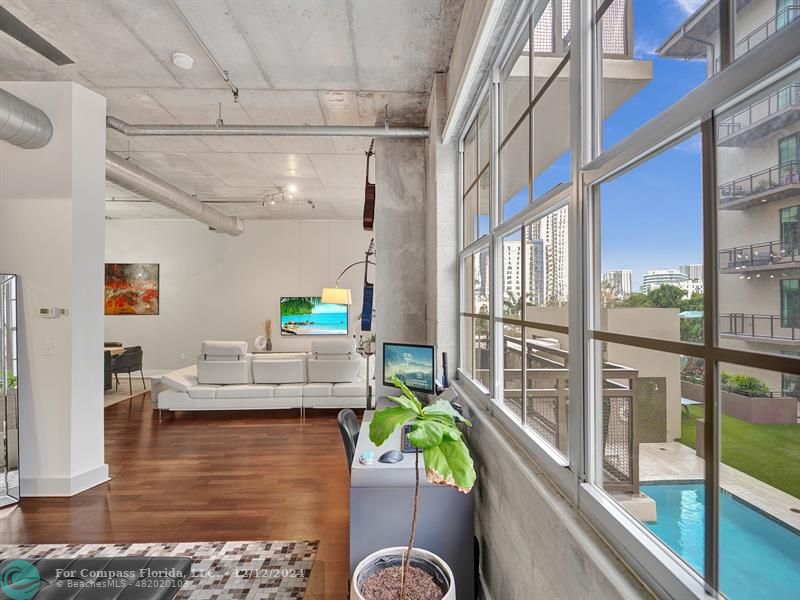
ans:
(23, 124)
(266, 130)
(135, 179)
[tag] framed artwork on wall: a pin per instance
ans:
(308, 315)
(132, 289)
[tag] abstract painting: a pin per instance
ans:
(131, 289)
(307, 315)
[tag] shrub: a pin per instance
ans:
(747, 385)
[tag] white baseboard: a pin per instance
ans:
(150, 373)
(63, 486)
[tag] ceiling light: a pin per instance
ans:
(182, 60)
(291, 188)
(272, 202)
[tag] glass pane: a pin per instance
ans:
(514, 86)
(467, 346)
(484, 203)
(481, 355)
(650, 223)
(484, 134)
(468, 283)
(547, 268)
(482, 284)
(512, 275)
(470, 216)
(470, 156)
(543, 33)
(512, 368)
(547, 386)
(551, 127)
(652, 447)
(514, 173)
(668, 56)
(758, 169)
(759, 485)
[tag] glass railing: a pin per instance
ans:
(763, 32)
(776, 327)
(762, 254)
(765, 180)
(760, 110)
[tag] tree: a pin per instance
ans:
(666, 296)
(298, 305)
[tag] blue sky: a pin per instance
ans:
(651, 216)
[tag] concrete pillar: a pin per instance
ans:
(442, 229)
(52, 236)
(400, 275)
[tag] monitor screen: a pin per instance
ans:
(414, 365)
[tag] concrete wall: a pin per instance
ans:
(51, 235)
(400, 231)
(215, 286)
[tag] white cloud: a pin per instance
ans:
(689, 6)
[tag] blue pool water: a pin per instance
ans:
(759, 558)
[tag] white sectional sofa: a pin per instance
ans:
(227, 377)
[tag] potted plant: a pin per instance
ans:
(391, 572)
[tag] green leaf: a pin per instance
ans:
(426, 433)
(407, 393)
(443, 408)
(386, 421)
(406, 403)
(449, 463)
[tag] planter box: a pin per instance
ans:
(753, 410)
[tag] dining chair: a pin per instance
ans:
(129, 361)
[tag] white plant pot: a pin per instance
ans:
(389, 557)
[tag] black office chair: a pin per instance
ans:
(348, 427)
(130, 360)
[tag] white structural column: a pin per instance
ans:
(52, 236)
(401, 278)
(442, 232)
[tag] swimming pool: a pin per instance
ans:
(759, 558)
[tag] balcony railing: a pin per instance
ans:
(760, 110)
(763, 32)
(778, 253)
(780, 178)
(766, 327)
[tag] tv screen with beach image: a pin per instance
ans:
(309, 316)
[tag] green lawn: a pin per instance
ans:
(770, 453)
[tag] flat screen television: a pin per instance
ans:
(413, 364)
(307, 315)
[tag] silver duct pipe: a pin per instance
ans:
(23, 124)
(135, 179)
(266, 130)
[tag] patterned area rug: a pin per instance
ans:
(220, 570)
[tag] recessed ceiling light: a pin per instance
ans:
(291, 188)
(182, 60)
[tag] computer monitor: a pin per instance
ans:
(413, 364)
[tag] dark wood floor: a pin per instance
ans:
(208, 476)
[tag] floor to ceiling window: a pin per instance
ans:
(649, 364)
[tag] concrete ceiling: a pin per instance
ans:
(301, 62)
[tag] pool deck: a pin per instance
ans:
(672, 461)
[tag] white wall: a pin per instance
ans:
(214, 286)
(51, 235)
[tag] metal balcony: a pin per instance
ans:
(761, 118)
(753, 258)
(764, 328)
(775, 183)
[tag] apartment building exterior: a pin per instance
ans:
(619, 282)
(758, 171)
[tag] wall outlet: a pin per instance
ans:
(48, 349)
(183, 356)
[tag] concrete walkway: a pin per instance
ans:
(672, 461)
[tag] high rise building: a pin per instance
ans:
(657, 277)
(693, 271)
(552, 231)
(620, 281)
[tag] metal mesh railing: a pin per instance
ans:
(759, 110)
(766, 180)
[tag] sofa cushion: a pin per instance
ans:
(311, 390)
(246, 391)
(351, 389)
(289, 390)
(340, 370)
(226, 372)
(179, 381)
(279, 371)
(174, 399)
(203, 391)
(223, 348)
(333, 347)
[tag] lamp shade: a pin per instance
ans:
(336, 296)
